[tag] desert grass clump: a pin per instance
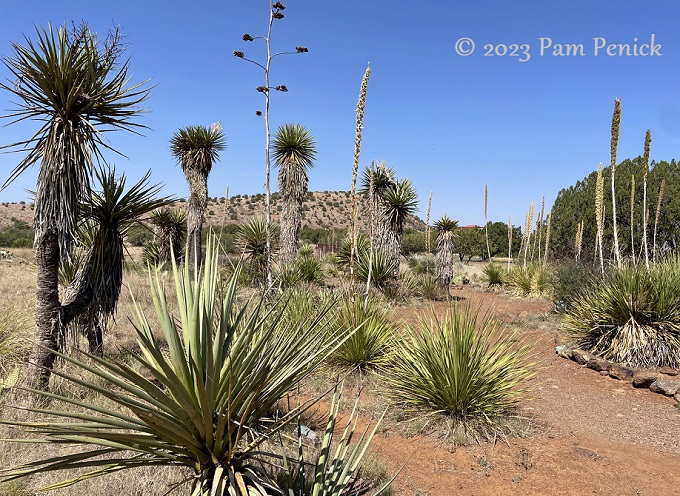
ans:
(462, 366)
(632, 317)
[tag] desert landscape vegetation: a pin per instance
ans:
(302, 342)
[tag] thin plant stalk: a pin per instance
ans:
(509, 243)
(547, 237)
(645, 158)
(599, 214)
(658, 213)
(616, 121)
(632, 216)
(355, 172)
(486, 222)
(428, 243)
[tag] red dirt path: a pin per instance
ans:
(590, 434)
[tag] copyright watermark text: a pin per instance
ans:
(547, 47)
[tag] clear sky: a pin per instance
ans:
(448, 122)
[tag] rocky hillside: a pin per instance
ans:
(322, 209)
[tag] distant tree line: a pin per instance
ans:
(576, 204)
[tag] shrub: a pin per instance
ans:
(569, 280)
(421, 263)
(469, 371)
(632, 316)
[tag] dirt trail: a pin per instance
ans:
(590, 434)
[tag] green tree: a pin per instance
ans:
(196, 149)
(470, 243)
(498, 239)
(294, 151)
(72, 84)
(577, 203)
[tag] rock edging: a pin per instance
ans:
(665, 380)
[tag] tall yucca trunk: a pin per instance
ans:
(293, 196)
(444, 258)
(47, 308)
(196, 205)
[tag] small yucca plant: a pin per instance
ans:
(370, 345)
(208, 408)
(462, 367)
(493, 274)
(632, 316)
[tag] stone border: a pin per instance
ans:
(665, 380)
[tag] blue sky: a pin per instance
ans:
(451, 124)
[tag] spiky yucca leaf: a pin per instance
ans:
(224, 369)
(464, 367)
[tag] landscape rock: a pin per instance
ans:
(599, 364)
(620, 372)
(644, 378)
(677, 397)
(667, 387)
(668, 371)
(564, 352)
(581, 357)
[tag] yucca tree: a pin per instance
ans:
(196, 149)
(446, 234)
(375, 181)
(294, 151)
(109, 214)
(400, 201)
(72, 84)
(216, 383)
(171, 229)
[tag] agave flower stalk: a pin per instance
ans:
(275, 13)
